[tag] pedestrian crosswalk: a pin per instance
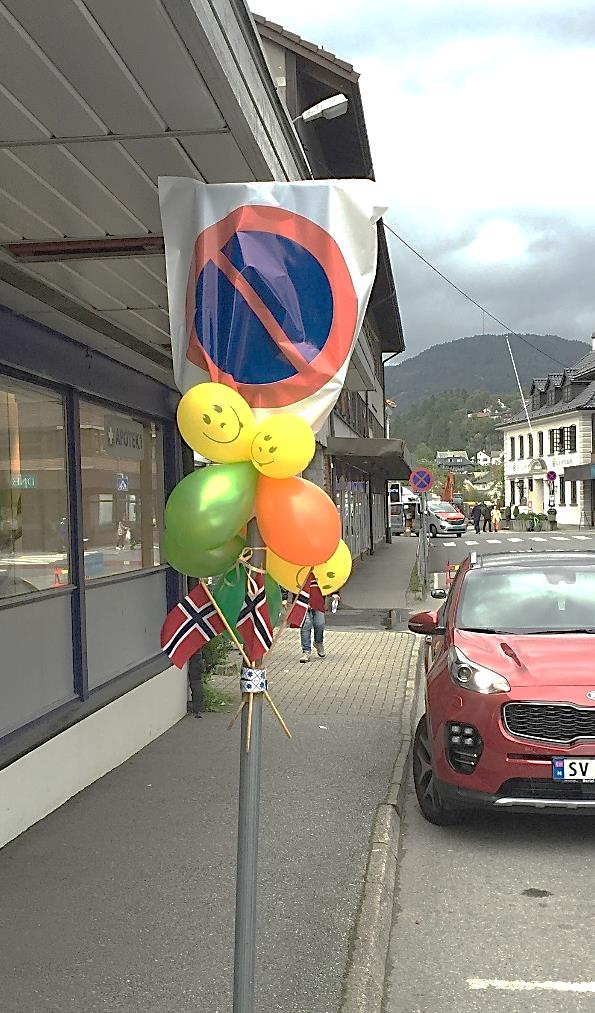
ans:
(515, 540)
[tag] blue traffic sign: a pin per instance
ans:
(274, 307)
(421, 480)
(121, 483)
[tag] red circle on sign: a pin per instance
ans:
(309, 376)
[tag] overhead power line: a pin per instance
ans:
(466, 295)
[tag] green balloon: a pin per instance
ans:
(195, 562)
(230, 594)
(210, 506)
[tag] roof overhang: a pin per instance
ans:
(385, 458)
(83, 142)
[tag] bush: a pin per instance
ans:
(516, 512)
(214, 653)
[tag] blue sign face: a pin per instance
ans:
(121, 483)
(421, 480)
(298, 297)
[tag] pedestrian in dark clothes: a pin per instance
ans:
(476, 517)
(486, 513)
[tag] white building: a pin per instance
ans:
(561, 411)
(482, 458)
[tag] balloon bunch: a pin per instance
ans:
(253, 474)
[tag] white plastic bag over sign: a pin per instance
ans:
(268, 285)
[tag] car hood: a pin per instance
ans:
(444, 516)
(549, 659)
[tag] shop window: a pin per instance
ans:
(34, 533)
(573, 499)
(122, 486)
(540, 443)
(562, 492)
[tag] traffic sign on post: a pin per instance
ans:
(421, 480)
(551, 476)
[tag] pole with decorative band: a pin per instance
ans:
(248, 817)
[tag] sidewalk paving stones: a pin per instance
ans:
(123, 899)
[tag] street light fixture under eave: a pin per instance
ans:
(328, 109)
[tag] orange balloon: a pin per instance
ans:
(297, 520)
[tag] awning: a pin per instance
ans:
(579, 473)
(381, 457)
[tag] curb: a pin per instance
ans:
(363, 987)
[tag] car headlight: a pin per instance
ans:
(478, 679)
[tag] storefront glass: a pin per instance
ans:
(34, 533)
(122, 485)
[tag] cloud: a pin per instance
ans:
(479, 117)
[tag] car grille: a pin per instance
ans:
(541, 789)
(550, 722)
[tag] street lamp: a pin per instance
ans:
(328, 109)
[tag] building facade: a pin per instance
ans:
(88, 444)
(350, 463)
(557, 437)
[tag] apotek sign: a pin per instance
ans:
(123, 439)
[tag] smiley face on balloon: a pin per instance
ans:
(282, 446)
(336, 571)
(216, 422)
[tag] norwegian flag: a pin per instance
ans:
(189, 626)
(254, 621)
(300, 608)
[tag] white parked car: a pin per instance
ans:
(445, 519)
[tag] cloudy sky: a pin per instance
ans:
(481, 122)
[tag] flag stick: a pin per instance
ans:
(237, 714)
(277, 713)
(225, 623)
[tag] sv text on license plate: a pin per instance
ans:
(580, 769)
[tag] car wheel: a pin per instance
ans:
(433, 530)
(459, 533)
(425, 782)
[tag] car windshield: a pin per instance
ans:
(443, 507)
(540, 599)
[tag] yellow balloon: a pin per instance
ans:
(286, 574)
(217, 423)
(333, 574)
(282, 446)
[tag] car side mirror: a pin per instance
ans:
(438, 592)
(426, 622)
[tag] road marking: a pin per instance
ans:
(493, 541)
(530, 986)
(449, 545)
(582, 538)
(536, 538)
(471, 543)
(560, 538)
(514, 539)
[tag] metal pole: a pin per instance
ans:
(247, 860)
(247, 865)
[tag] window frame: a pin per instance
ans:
(540, 443)
(46, 359)
(512, 448)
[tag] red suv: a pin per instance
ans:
(510, 689)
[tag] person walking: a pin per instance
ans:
(486, 513)
(496, 517)
(476, 517)
(314, 621)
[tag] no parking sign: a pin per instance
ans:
(268, 285)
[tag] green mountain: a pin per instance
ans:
(454, 420)
(478, 363)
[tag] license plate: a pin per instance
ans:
(580, 769)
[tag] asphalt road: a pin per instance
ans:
(454, 550)
(494, 915)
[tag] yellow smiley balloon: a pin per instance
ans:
(217, 423)
(333, 574)
(282, 446)
(286, 574)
